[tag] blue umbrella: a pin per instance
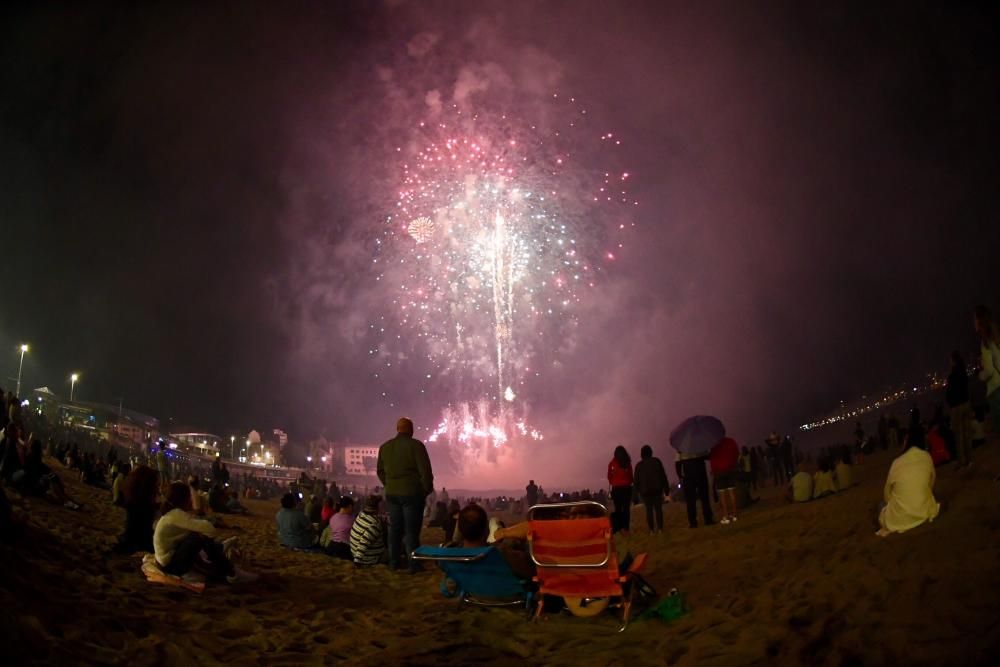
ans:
(695, 436)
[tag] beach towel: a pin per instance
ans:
(192, 581)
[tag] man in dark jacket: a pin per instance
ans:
(694, 483)
(405, 470)
(652, 484)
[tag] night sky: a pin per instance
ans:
(188, 194)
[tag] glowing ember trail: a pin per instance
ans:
(498, 232)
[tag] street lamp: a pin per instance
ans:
(24, 348)
(232, 447)
(72, 385)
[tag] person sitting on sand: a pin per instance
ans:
(294, 528)
(474, 528)
(909, 489)
(180, 538)
(37, 479)
(314, 510)
(823, 483)
(368, 535)
(451, 522)
(140, 494)
(117, 497)
(199, 501)
(843, 471)
(800, 489)
(11, 453)
(340, 529)
(327, 511)
(218, 498)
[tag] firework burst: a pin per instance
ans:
(498, 232)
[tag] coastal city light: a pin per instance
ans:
(20, 366)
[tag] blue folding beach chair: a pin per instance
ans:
(478, 575)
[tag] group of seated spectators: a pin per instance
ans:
(833, 474)
(333, 528)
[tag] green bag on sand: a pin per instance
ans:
(670, 607)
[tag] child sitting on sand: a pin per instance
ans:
(180, 538)
(800, 488)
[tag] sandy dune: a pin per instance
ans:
(807, 584)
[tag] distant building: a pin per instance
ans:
(360, 459)
(196, 439)
(108, 422)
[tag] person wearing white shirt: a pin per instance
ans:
(909, 489)
(179, 538)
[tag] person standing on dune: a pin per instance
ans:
(652, 484)
(405, 471)
(620, 479)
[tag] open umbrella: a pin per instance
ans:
(695, 436)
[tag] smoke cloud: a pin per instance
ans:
(816, 207)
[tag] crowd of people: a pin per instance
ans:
(172, 503)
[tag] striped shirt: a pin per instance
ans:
(368, 539)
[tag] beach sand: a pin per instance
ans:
(809, 584)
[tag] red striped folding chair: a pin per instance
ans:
(574, 553)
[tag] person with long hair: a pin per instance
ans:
(140, 495)
(989, 354)
(620, 479)
(909, 488)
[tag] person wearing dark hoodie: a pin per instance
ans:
(652, 485)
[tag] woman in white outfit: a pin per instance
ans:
(909, 489)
